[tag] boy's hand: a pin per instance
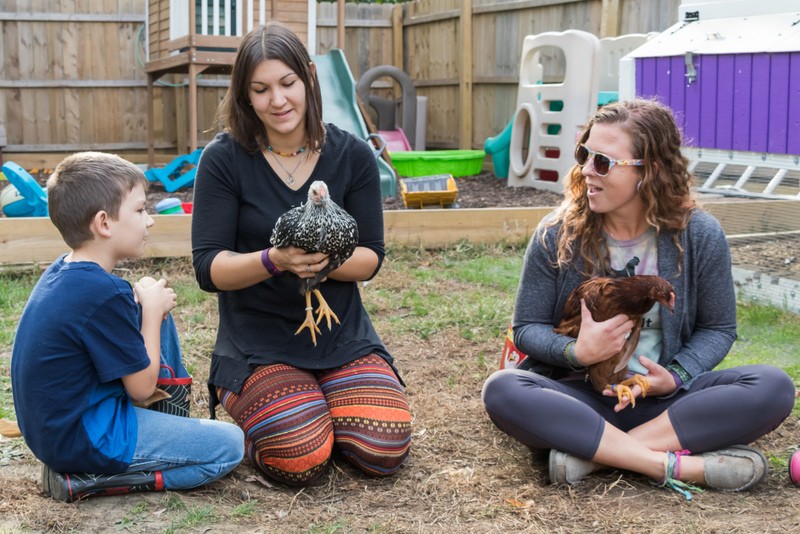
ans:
(154, 296)
(145, 282)
(156, 300)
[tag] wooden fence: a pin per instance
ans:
(464, 55)
(70, 80)
(75, 80)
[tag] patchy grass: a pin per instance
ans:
(467, 288)
(766, 335)
(15, 288)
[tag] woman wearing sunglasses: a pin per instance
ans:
(628, 209)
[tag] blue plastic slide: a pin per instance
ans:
(35, 204)
(499, 147)
(340, 107)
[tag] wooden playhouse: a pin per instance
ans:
(207, 46)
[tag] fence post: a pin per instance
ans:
(340, 25)
(465, 76)
(397, 37)
(609, 19)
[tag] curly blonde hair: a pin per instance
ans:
(665, 184)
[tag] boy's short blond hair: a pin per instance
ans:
(83, 185)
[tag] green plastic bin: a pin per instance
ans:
(428, 163)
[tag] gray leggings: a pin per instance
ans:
(721, 408)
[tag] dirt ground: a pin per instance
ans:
(463, 475)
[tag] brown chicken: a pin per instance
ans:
(606, 298)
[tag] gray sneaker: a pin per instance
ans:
(568, 469)
(735, 468)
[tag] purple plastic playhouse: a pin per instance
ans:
(730, 70)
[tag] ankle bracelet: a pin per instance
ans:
(672, 470)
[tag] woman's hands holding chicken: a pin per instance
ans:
(298, 261)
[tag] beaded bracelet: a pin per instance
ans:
(268, 265)
(677, 369)
(572, 360)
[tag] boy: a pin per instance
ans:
(82, 355)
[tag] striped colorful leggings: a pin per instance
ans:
(292, 418)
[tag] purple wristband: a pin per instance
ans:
(268, 265)
(677, 377)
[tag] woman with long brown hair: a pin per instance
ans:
(629, 210)
(296, 399)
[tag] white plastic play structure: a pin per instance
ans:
(612, 50)
(550, 115)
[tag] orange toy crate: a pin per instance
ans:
(439, 189)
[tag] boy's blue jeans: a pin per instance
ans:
(189, 452)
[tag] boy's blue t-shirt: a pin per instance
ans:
(77, 336)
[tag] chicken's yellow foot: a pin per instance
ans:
(309, 322)
(324, 310)
(624, 388)
(638, 380)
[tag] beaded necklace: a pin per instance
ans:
(287, 154)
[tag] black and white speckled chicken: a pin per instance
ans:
(318, 225)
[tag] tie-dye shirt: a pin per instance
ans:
(640, 256)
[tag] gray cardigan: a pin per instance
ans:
(698, 334)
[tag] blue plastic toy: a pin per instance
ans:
(169, 206)
(499, 147)
(172, 175)
(33, 194)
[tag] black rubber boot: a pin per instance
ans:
(68, 487)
